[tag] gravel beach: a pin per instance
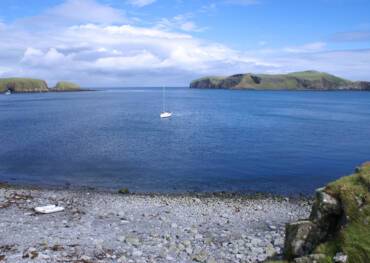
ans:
(109, 227)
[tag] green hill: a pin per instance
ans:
(305, 80)
(66, 86)
(16, 85)
(28, 85)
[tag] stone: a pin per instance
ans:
(31, 253)
(137, 253)
(340, 258)
(298, 237)
(189, 250)
(270, 250)
(313, 258)
(200, 256)
(86, 259)
(325, 205)
(122, 259)
(134, 241)
(211, 260)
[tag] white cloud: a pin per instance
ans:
(180, 22)
(36, 57)
(310, 47)
(98, 50)
(77, 12)
(141, 3)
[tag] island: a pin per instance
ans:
(304, 80)
(29, 85)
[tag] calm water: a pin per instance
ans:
(218, 140)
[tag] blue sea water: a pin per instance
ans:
(218, 140)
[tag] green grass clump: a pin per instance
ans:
(353, 238)
(124, 191)
(23, 85)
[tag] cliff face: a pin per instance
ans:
(338, 229)
(306, 80)
(28, 85)
(17, 85)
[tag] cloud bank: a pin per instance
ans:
(102, 47)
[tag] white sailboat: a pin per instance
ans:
(164, 113)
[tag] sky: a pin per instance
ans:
(132, 43)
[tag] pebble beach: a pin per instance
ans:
(111, 227)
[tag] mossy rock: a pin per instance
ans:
(124, 191)
(353, 239)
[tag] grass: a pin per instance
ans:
(354, 238)
(124, 191)
(317, 76)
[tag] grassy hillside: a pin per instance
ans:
(305, 80)
(23, 85)
(26, 85)
(66, 86)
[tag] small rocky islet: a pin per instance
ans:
(113, 227)
(29, 85)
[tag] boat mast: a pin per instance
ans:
(164, 98)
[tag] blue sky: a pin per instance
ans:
(160, 42)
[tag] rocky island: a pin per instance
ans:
(305, 80)
(29, 85)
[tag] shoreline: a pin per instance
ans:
(205, 194)
(111, 227)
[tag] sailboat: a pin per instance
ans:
(164, 113)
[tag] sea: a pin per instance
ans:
(279, 142)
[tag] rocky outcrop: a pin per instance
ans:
(338, 229)
(362, 85)
(306, 80)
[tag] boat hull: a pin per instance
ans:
(166, 115)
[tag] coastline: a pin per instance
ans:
(200, 194)
(101, 226)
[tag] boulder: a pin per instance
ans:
(298, 239)
(325, 205)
